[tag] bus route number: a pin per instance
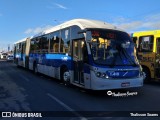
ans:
(113, 73)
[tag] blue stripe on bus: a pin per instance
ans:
(58, 56)
(123, 74)
(54, 60)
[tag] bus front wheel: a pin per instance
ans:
(147, 75)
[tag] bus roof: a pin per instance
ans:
(149, 32)
(23, 40)
(19, 41)
(82, 23)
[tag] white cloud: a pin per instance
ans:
(130, 25)
(56, 5)
(153, 17)
(60, 6)
(28, 31)
(37, 30)
(152, 25)
(147, 23)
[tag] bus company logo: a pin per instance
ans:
(64, 58)
(120, 94)
(22, 115)
(6, 114)
(109, 93)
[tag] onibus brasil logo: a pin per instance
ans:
(121, 94)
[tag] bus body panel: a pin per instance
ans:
(104, 84)
(115, 82)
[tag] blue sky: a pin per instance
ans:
(24, 18)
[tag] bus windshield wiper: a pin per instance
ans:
(123, 51)
(114, 60)
(128, 57)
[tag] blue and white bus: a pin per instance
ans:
(21, 52)
(87, 53)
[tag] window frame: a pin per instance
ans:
(142, 45)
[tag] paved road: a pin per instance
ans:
(21, 90)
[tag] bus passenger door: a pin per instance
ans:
(21, 58)
(157, 61)
(78, 46)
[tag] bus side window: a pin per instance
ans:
(44, 44)
(158, 45)
(146, 44)
(54, 42)
(85, 53)
(32, 47)
(65, 40)
(56, 47)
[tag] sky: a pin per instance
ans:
(25, 18)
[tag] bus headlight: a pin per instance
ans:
(98, 74)
(101, 75)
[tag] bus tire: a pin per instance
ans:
(65, 76)
(147, 75)
(35, 70)
(16, 62)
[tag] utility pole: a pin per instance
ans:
(8, 47)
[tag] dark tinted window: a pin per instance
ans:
(44, 44)
(65, 40)
(54, 42)
(146, 44)
(74, 32)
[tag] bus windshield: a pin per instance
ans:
(113, 48)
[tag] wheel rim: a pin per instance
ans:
(66, 76)
(145, 75)
(36, 70)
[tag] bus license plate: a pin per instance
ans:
(126, 84)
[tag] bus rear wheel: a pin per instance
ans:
(35, 70)
(65, 76)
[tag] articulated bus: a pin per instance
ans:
(87, 53)
(148, 50)
(21, 52)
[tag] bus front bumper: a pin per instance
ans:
(110, 83)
